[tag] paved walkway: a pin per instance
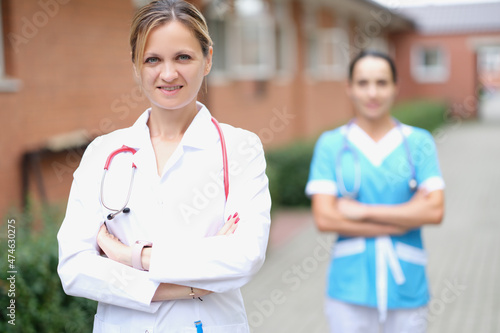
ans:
(464, 260)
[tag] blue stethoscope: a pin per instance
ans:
(412, 183)
(124, 209)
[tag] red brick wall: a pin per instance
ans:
(76, 73)
(74, 64)
(460, 88)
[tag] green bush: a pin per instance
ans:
(40, 302)
(288, 167)
(425, 114)
(288, 170)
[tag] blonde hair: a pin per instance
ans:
(160, 12)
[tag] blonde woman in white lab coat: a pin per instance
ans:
(174, 258)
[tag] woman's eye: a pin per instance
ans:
(151, 60)
(184, 57)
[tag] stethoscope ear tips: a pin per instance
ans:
(110, 217)
(126, 210)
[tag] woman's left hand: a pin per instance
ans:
(351, 209)
(113, 247)
(230, 226)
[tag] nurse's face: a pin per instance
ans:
(173, 67)
(372, 88)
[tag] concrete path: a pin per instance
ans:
(464, 252)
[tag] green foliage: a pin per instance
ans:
(41, 304)
(425, 114)
(288, 167)
(288, 170)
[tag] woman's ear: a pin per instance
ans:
(137, 75)
(208, 65)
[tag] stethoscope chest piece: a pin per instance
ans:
(413, 184)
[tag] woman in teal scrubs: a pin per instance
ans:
(375, 182)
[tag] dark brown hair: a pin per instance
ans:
(376, 54)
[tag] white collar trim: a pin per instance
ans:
(376, 152)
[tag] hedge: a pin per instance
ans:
(288, 167)
(40, 302)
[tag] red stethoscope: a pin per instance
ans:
(125, 149)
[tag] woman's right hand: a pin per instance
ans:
(230, 226)
(171, 292)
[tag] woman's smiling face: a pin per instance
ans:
(173, 67)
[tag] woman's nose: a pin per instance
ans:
(372, 90)
(169, 72)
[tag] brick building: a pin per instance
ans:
(453, 55)
(66, 76)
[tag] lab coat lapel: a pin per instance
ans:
(138, 138)
(199, 135)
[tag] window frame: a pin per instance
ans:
(320, 44)
(286, 44)
(7, 84)
(423, 73)
(219, 76)
(260, 71)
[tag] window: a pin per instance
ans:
(285, 42)
(332, 60)
(328, 50)
(218, 32)
(429, 64)
(252, 50)
(328, 57)
(6, 84)
(243, 41)
(489, 59)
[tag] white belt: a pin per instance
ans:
(386, 259)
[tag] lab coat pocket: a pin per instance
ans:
(413, 261)
(238, 328)
(102, 327)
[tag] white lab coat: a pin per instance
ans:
(180, 212)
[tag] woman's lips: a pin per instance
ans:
(170, 90)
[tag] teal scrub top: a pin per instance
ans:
(385, 172)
